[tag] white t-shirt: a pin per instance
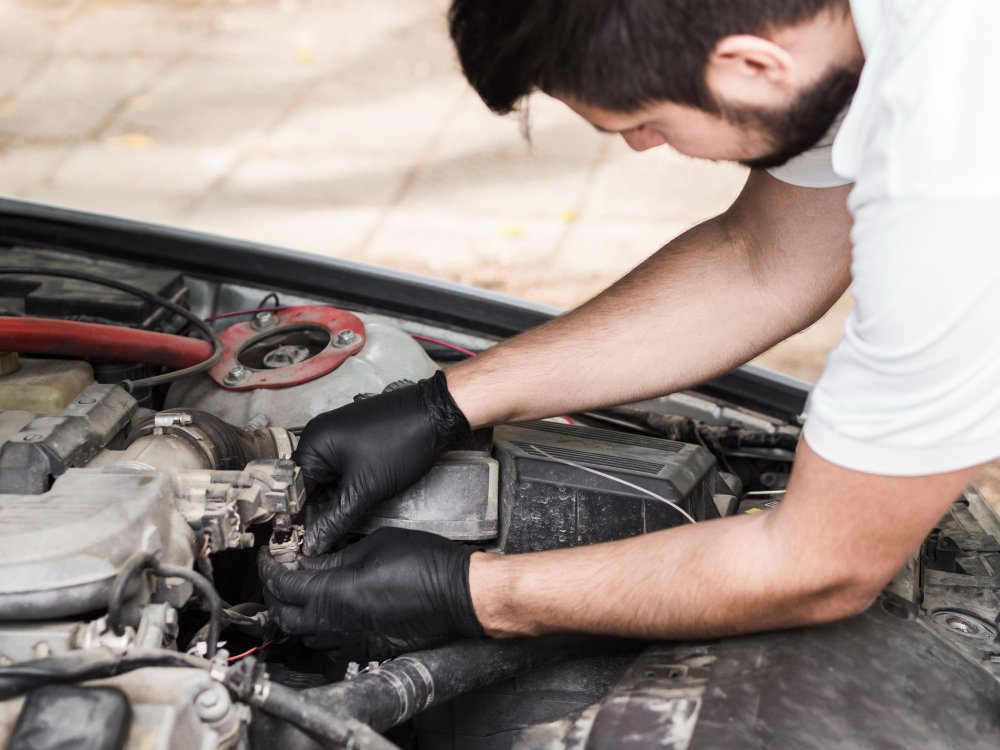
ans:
(914, 387)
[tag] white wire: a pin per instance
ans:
(673, 505)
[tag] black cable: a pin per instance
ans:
(259, 626)
(132, 385)
(277, 300)
(204, 566)
(145, 561)
(208, 591)
(89, 664)
(116, 599)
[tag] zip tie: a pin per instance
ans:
(653, 495)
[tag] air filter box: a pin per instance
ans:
(547, 503)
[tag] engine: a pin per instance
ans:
(130, 510)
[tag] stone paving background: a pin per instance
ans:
(343, 128)
(336, 127)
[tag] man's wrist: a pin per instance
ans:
(467, 399)
(492, 588)
(482, 403)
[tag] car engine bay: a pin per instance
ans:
(147, 422)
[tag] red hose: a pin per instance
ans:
(68, 338)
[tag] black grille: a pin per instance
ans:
(595, 460)
(607, 436)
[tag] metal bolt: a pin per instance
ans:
(258, 421)
(237, 374)
(347, 337)
(33, 437)
(264, 319)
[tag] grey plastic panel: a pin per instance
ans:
(47, 446)
(62, 549)
(457, 499)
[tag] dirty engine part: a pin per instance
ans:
(551, 496)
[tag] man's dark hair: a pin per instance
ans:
(619, 55)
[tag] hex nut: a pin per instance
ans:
(346, 337)
(236, 375)
(264, 319)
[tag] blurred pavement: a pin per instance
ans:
(340, 128)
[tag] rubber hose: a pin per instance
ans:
(234, 446)
(116, 598)
(146, 561)
(207, 590)
(69, 338)
(201, 325)
(400, 689)
(331, 728)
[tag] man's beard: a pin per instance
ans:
(801, 126)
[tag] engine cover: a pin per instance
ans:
(63, 549)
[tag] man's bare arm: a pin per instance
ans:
(825, 553)
(710, 300)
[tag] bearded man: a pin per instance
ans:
(868, 128)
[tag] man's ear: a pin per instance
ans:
(752, 70)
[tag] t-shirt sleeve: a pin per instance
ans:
(914, 386)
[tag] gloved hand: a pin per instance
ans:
(405, 589)
(361, 454)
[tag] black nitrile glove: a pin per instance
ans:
(404, 589)
(358, 455)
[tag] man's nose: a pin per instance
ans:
(643, 138)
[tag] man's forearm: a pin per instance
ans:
(710, 300)
(836, 540)
(714, 579)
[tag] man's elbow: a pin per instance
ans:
(841, 597)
